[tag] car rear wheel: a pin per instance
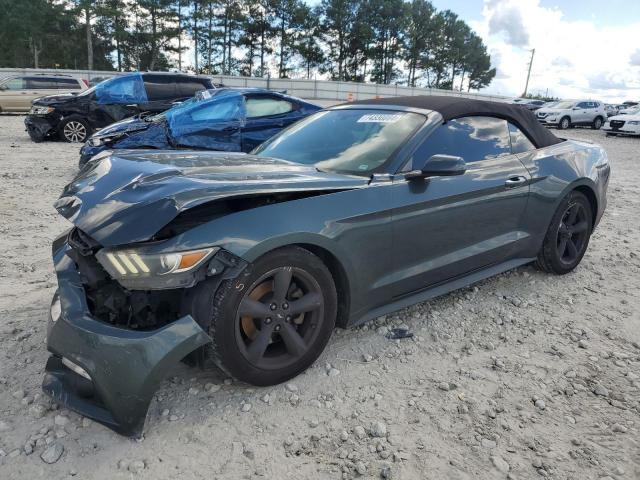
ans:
(564, 123)
(273, 321)
(74, 130)
(597, 123)
(568, 235)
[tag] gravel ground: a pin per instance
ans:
(523, 376)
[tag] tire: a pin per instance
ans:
(248, 317)
(611, 134)
(564, 123)
(597, 123)
(567, 237)
(74, 130)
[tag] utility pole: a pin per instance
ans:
(529, 73)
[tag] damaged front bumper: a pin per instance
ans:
(124, 367)
(40, 127)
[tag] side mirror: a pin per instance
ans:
(440, 166)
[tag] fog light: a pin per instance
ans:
(56, 309)
(75, 368)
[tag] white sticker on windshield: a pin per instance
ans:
(380, 117)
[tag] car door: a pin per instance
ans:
(12, 94)
(266, 116)
(445, 227)
(581, 114)
(117, 98)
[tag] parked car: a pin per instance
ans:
(233, 120)
(529, 103)
(353, 212)
(611, 109)
(627, 109)
(74, 117)
(567, 113)
(627, 124)
(17, 92)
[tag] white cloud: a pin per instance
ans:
(507, 19)
(573, 59)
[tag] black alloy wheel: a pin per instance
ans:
(274, 320)
(572, 233)
(278, 318)
(567, 237)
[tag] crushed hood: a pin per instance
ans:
(48, 100)
(128, 125)
(129, 195)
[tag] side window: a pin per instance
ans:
(472, 138)
(519, 141)
(188, 87)
(266, 107)
(39, 83)
(15, 84)
(160, 87)
(583, 105)
(67, 84)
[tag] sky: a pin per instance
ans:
(584, 48)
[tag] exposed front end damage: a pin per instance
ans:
(39, 127)
(111, 347)
(138, 272)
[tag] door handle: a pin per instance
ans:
(515, 181)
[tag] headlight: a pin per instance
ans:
(633, 122)
(36, 110)
(139, 269)
(96, 141)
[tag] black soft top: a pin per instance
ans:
(456, 107)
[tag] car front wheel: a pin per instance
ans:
(568, 235)
(74, 130)
(565, 123)
(274, 320)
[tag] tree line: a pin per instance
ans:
(383, 41)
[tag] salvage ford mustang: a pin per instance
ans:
(253, 259)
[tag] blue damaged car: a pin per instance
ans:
(224, 119)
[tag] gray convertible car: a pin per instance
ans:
(251, 260)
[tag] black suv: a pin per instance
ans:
(74, 117)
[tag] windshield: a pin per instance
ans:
(563, 105)
(176, 108)
(350, 140)
(200, 96)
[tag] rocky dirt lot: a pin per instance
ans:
(523, 376)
